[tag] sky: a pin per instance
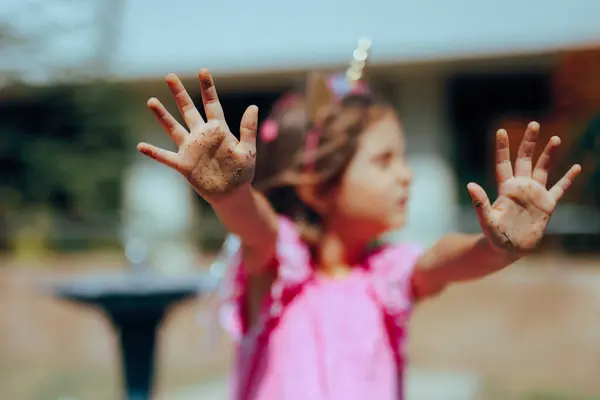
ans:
(147, 38)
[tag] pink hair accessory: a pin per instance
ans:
(269, 131)
(311, 146)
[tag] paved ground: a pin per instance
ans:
(421, 385)
(532, 328)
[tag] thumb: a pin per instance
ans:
(248, 126)
(481, 203)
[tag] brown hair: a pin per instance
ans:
(282, 164)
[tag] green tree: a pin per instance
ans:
(62, 152)
(63, 146)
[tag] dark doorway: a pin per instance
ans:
(476, 102)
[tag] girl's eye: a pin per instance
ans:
(384, 160)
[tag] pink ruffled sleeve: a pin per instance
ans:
(392, 268)
(292, 261)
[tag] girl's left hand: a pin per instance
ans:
(516, 221)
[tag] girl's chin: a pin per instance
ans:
(398, 222)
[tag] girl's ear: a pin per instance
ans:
(309, 194)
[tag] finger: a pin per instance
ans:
(248, 126)
(503, 166)
(184, 102)
(481, 203)
(163, 156)
(166, 120)
(540, 173)
(525, 154)
(212, 106)
(565, 182)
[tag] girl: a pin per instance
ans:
(320, 308)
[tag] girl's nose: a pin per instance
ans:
(405, 176)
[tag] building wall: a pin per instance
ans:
(433, 203)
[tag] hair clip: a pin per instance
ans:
(269, 131)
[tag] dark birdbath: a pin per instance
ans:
(135, 303)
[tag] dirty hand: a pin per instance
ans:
(516, 221)
(209, 156)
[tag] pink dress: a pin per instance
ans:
(320, 338)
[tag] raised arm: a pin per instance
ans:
(218, 166)
(512, 226)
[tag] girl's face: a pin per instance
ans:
(372, 196)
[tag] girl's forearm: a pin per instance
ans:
(247, 214)
(457, 258)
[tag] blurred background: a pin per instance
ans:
(96, 240)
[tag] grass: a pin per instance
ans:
(556, 396)
(25, 381)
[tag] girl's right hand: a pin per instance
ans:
(209, 156)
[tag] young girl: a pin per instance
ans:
(320, 307)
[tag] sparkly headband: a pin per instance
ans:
(322, 91)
